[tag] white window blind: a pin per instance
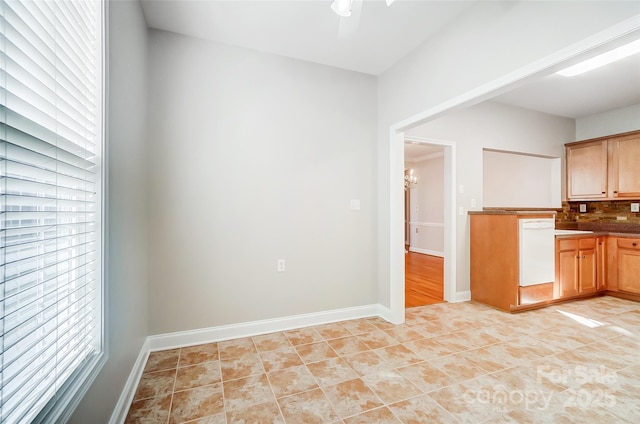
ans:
(50, 216)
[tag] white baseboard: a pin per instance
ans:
(462, 296)
(253, 328)
(126, 397)
(385, 314)
(426, 251)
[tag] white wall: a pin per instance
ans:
(128, 213)
(255, 158)
(612, 122)
(514, 180)
(427, 206)
(490, 41)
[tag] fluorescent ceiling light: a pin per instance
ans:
(342, 7)
(601, 60)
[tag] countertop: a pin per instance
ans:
(597, 234)
(610, 228)
(617, 229)
(513, 212)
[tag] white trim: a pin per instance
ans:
(483, 92)
(396, 265)
(385, 314)
(462, 296)
(533, 70)
(253, 328)
(427, 224)
(126, 396)
(426, 251)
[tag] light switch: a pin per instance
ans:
(355, 204)
(583, 207)
(635, 207)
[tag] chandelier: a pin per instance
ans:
(410, 180)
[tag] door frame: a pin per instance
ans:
(449, 179)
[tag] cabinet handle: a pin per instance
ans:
(604, 192)
(615, 192)
(634, 244)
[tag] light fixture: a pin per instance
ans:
(602, 59)
(342, 7)
(410, 180)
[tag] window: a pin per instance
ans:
(51, 290)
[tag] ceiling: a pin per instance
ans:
(374, 39)
(611, 87)
(370, 41)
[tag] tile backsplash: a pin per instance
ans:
(604, 212)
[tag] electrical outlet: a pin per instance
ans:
(635, 207)
(416, 230)
(281, 265)
(583, 207)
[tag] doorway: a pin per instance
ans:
(424, 223)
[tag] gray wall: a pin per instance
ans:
(128, 213)
(611, 122)
(254, 158)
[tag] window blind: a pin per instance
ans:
(50, 207)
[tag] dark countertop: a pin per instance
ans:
(611, 228)
(597, 234)
(513, 212)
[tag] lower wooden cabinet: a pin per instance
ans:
(628, 265)
(576, 266)
(602, 262)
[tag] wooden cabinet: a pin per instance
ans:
(628, 264)
(587, 170)
(604, 168)
(494, 267)
(602, 263)
(624, 172)
(576, 266)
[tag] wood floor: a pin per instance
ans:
(424, 279)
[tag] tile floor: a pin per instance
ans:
(449, 363)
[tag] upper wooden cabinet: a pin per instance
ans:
(624, 169)
(604, 168)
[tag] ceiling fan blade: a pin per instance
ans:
(348, 26)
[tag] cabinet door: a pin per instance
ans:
(629, 265)
(624, 172)
(587, 170)
(587, 270)
(567, 268)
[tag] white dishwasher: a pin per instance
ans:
(536, 250)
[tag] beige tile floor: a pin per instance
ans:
(449, 363)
